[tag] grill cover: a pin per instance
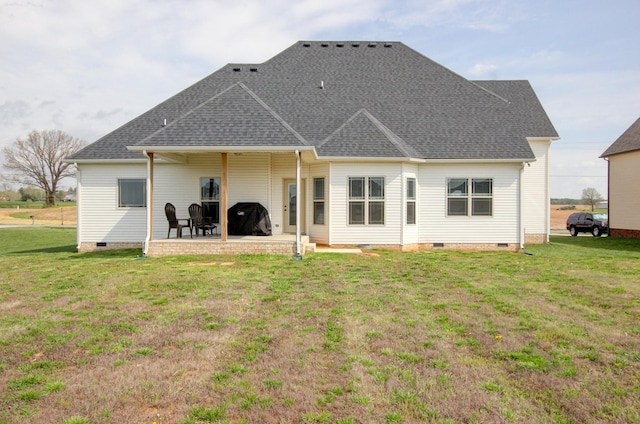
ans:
(248, 219)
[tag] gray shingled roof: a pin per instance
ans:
(627, 142)
(352, 99)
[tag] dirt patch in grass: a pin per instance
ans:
(42, 216)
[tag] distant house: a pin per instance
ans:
(344, 143)
(69, 197)
(624, 183)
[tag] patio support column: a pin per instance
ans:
(521, 208)
(149, 201)
(297, 203)
(223, 196)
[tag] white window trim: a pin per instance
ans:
(367, 200)
(469, 197)
(119, 204)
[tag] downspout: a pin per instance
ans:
(521, 201)
(145, 248)
(298, 255)
(78, 208)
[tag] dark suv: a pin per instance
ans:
(588, 222)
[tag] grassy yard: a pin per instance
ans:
(552, 336)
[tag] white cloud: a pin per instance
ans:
(481, 70)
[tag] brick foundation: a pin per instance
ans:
(618, 232)
(536, 238)
(198, 247)
(94, 247)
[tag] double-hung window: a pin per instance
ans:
(132, 193)
(318, 201)
(366, 200)
(470, 196)
(411, 200)
(210, 198)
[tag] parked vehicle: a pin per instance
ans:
(588, 222)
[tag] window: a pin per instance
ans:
(318, 201)
(366, 200)
(480, 197)
(132, 193)
(411, 200)
(210, 198)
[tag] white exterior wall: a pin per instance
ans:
(180, 184)
(624, 191)
(410, 232)
(437, 227)
(388, 234)
(259, 177)
(319, 233)
(283, 167)
(536, 214)
(99, 217)
(101, 220)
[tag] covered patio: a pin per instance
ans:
(223, 242)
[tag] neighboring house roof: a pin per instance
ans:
(347, 99)
(627, 142)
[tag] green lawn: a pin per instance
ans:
(551, 336)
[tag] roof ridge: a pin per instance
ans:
(184, 115)
(273, 113)
(253, 95)
(393, 138)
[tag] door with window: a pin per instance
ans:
(290, 206)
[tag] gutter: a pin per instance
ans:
(78, 207)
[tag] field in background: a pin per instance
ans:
(444, 337)
(56, 216)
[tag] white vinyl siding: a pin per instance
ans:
(388, 233)
(437, 227)
(100, 217)
(320, 233)
(411, 232)
(248, 181)
(536, 215)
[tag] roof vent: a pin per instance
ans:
(372, 45)
(388, 45)
(340, 45)
(325, 44)
(306, 44)
(236, 69)
(355, 45)
(253, 69)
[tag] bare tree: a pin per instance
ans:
(38, 160)
(590, 196)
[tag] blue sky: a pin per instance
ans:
(87, 67)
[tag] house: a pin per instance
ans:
(624, 191)
(344, 143)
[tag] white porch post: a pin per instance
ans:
(298, 220)
(224, 176)
(149, 202)
(521, 208)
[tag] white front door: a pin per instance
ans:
(290, 206)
